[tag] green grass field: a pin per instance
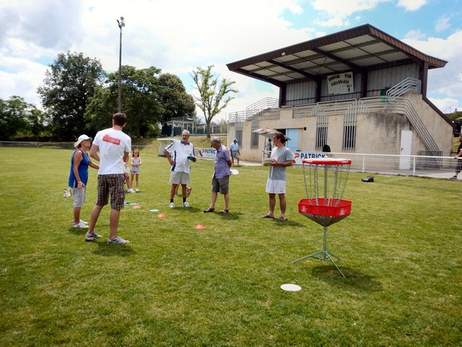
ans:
(174, 285)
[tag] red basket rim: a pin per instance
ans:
(327, 161)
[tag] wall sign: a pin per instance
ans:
(341, 83)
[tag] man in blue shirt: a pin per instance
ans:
(220, 180)
(234, 148)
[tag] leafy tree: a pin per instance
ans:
(148, 98)
(18, 116)
(214, 95)
(67, 89)
(176, 103)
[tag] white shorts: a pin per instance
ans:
(78, 196)
(275, 186)
(135, 170)
(179, 178)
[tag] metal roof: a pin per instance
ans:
(358, 49)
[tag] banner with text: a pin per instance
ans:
(341, 83)
(299, 156)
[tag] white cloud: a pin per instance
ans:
(174, 35)
(414, 35)
(445, 82)
(447, 105)
(411, 5)
(442, 24)
(338, 11)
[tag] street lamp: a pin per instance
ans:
(121, 24)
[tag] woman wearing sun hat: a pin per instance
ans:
(78, 176)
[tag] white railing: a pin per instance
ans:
(405, 86)
(414, 165)
(253, 109)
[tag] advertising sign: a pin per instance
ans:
(301, 155)
(341, 83)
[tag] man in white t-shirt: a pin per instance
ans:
(179, 154)
(111, 148)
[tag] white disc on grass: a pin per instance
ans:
(289, 287)
(234, 172)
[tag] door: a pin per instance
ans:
(293, 135)
(405, 151)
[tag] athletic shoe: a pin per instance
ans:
(82, 221)
(209, 210)
(80, 225)
(186, 204)
(130, 190)
(171, 205)
(118, 241)
(137, 190)
(91, 236)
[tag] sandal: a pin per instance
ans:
(224, 212)
(268, 216)
(209, 210)
(282, 219)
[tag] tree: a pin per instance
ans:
(148, 98)
(214, 95)
(175, 101)
(18, 116)
(67, 89)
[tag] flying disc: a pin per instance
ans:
(136, 206)
(200, 226)
(234, 172)
(154, 210)
(289, 287)
(161, 216)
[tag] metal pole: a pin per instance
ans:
(121, 24)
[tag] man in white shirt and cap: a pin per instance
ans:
(179, 154)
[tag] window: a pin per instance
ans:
(321, 131)
(253, 136)
(349, 137)
(238, 136)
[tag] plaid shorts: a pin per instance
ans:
(111, 185)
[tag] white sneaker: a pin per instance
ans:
(91, 236)
(130, 190)
(118, 241)
(186, 204)
(171, 205)
(137, 190)
(83, 222)
(80, 225)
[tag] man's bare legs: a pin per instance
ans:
(272, 204)
(173, 190)
(282, 205)
(113, 223)
(94, 218)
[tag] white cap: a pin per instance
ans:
(81, 139)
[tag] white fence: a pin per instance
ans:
(413, 165)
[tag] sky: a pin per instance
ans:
(178, 36)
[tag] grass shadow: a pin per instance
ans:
(107, 250)
(230, 215)
(288, 223)
(77, 231)
(189, 209)
(354, 279)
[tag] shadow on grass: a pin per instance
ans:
(230, 215)
(287, 223)
(354, 280)
(77, 231)
(105, 249)
(189, 209)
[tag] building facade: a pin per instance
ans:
(359, 91)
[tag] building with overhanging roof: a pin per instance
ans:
(359, 90)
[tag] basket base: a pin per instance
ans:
(323, 255)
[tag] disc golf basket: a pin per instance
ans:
(325, 181)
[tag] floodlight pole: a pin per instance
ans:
(121, 24)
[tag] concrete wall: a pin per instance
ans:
(376, 133)
(438, 127)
